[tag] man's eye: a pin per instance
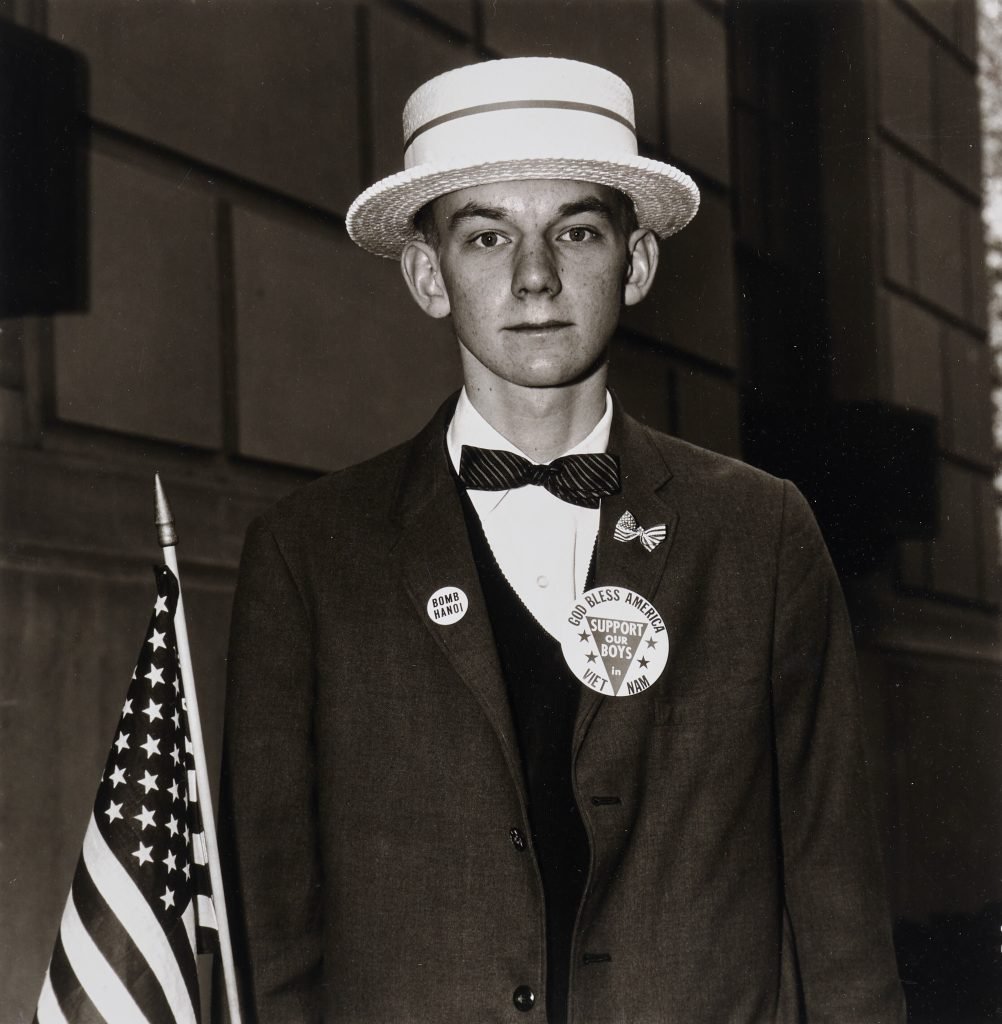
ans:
(489, 240)
(579, 234)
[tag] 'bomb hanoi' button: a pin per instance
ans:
(447, 605)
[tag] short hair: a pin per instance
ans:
(425, 226)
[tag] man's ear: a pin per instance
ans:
(419, 265)
(643, 251)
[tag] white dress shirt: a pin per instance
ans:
(543, 545)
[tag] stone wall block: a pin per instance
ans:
(956, 551)
(896, 183)
(940, 14)
(941, 243)
(991, 525)
(977, 288)
(905, 84)
(692, 303)
(259, 89)
(968, 379)
(913, 564)
(335, 361)
(12, 416)
(958, 124)
(640, 377)
(615, 34)
(11, 354)
(403, 54)
(915, 356)
(967, 28)
(696, 86)
(457, 13)
(708, 412)
(145, 359)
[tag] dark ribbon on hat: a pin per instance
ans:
(578, 479)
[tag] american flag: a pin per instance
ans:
(140, 906)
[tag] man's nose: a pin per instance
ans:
(536, 271)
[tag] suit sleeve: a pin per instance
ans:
(834, 883)
(268, 824)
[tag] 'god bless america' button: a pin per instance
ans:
(615, 641)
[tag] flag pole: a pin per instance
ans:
(167, 536)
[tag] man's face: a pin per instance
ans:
(533, 273)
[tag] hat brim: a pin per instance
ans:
(381, 219)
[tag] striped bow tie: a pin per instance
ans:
(627, 530)
(578, 479)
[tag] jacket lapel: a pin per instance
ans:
(434, 552)
(645, 493)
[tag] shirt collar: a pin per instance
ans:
(469, 427)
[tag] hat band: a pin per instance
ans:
(487, 108)
(515, 133)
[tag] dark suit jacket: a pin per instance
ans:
(372, 778)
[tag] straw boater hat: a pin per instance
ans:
(509, 120)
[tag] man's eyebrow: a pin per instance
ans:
(472, 210)
(590, 204)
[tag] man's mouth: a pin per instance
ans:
(538, 327)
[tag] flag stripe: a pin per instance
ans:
(206, 912)
(48, 1011)
(104, 987)
(188, 927)
(118, 947)
(137, 917)
(73, 1000)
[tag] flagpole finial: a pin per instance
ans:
(166, 534)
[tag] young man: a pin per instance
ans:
(544, 714)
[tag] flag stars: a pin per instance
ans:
(117, 777)
(114, 811)
(122, 743)
(173, 790)
(176, 719)
(145, 817)
(152, 711)
(176, 754)
(127, 707)
(171, 861)
(155, 675)
(156, 641)
(151, 746)
(172, 825)
(160, 608)
(168, 898)
(148, 782)
(187, 870)
(144, 854)
(177, 684)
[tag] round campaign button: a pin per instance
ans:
(447, 605)
(615, 641)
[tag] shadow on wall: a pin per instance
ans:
(951, 967)
(43, 170)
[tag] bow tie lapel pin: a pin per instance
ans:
(627, 529)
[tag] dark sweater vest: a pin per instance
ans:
(544, 701)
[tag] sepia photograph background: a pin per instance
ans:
(178, 294)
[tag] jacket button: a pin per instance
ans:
(523, 998)
(518, 841)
